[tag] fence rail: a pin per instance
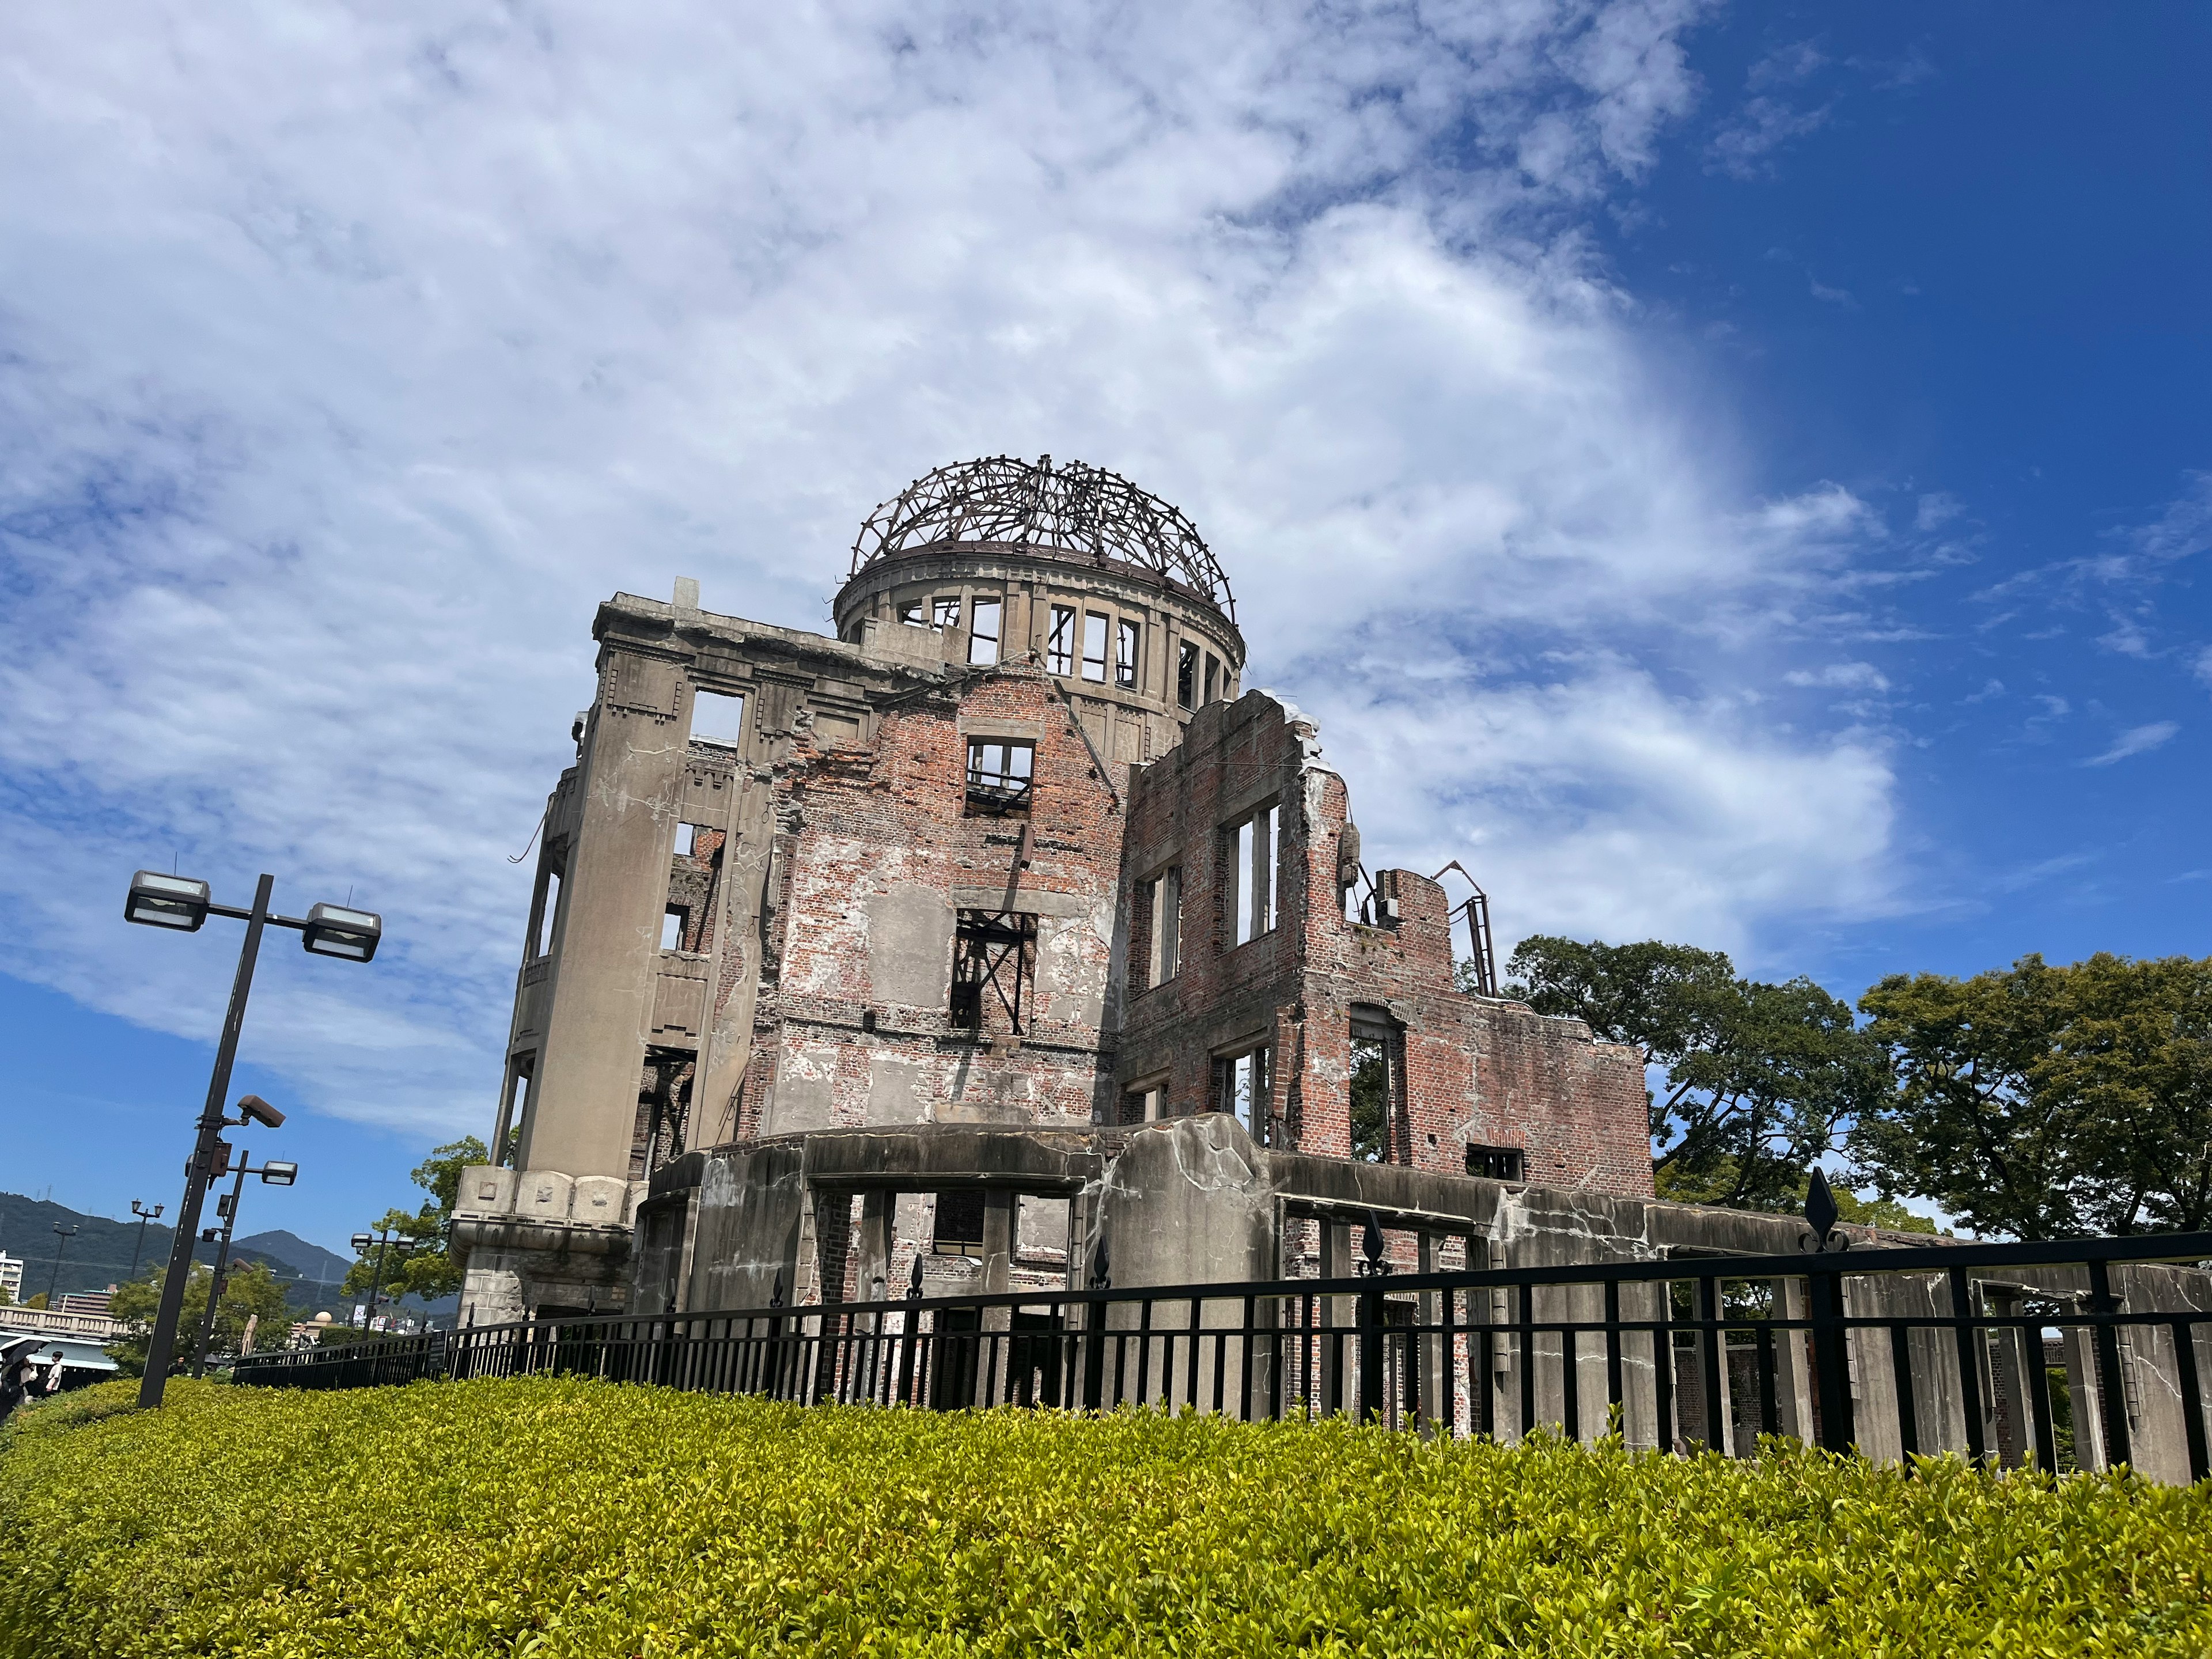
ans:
(1894, 1352)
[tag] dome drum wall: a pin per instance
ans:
(1119, 637)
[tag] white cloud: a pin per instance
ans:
(2136, 740)
(346, 364)
(1846, 676)
(2201, 666)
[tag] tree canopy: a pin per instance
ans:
(2041, 1101)
(249, 1290)
(1760, 1079)
(427, 1269)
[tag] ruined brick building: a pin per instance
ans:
(927, 940)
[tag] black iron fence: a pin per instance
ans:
(2012, 1353)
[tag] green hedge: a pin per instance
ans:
(570, 1518)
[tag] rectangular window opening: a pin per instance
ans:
(1495, 1163)
(549, 906)
(1094, 648)
(1241, 1084)
(1250, 896)
(1212, 676)
(993, 962)
(915, 613)
(1145, 1105)
(1373, 1088)
(959, 1230)
(1000, 777)
(1165, 899)
(1127, 639)
(674, 922)
(1060, 642)
(687, 837)
(983, 632)
(718, 717)
(1187, 676)
(945, 611)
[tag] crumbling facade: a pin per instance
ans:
(1014, 849)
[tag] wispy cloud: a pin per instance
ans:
(1844, 676)
(2136, 740)
(344, 370)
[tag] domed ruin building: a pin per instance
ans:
(1004, 928)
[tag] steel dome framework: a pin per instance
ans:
(1074, 509)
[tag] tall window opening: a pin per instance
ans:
(999, 777)
(549, 905)
(674, 922)
(1060, 642)
(959, 1228)
(1241, 1085)
(1212, 676)
(1374, 1085)
(983, 632)
(1187, 676)
(1125, 656)
(687, 838)
(1251, 891)
(1163, 901)
(718, 717)
(993, 962)
(1094, 646)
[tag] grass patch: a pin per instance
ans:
(556, 1518)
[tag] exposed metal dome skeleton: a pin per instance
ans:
(1072, 510)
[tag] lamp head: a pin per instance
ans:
(361, 1243)
(333, 930)
(159, 900)
(252, 1109)
(274, 1174)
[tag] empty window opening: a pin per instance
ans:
(1187, 676)
(674, 922)
(1212, 676)
(687, 838)
(1162, 898)
(549, 906)
(1251, 892)
(945, 611)
(1374, 1088)
(717, 717)
(993, 960)
(983, 632)
(1495, 1163)
(999, 777)
(915, 613)
(959, 1230)
(1125, 641)
(1094, 646)
(1060, 642)
(1145, 1105)
(1241, 1086)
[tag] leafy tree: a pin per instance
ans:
(249, 1290)
(1760, 1078)
(428, 1269)
(2041, 1101)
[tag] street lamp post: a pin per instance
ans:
(383, 1238)
(62, 1236)
(272, 1175)
(144, 1216)
(176, 901)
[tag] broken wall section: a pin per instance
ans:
(1272, 999)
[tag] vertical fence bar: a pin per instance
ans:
(1901, 1370)
(1615, 1399)
(1968, 1336)
(2112, 1386)
(1824, 1296)
(2192, 1396)
(1526, 1338)
(1370, 1353)
(1770, 1407)
(1709, 1358)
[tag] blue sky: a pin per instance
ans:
(1738, 474)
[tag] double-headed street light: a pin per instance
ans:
(272, 1174)
(184, 905)
(383, 1238)
(62, 1236)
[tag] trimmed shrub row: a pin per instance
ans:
(562, 1517)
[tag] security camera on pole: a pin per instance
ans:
(179, 903)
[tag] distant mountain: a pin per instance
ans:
(102, 1250)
